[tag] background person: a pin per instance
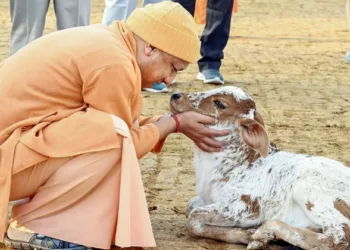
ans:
(28, 18)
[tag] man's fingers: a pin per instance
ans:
(208, 120)
(215, 133)
(206, 148)
(214, 143)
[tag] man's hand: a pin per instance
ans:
(193, 126)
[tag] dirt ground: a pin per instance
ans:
(289, 56)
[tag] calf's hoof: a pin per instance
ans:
(255, 245)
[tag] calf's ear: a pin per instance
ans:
(258, 118)
(254, 135)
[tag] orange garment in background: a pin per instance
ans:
(200, 12)
(48, 90)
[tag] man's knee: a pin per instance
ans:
(55, 170)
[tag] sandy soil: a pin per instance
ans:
(289, 56)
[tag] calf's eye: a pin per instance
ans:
(219, 104)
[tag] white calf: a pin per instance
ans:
(301, 199)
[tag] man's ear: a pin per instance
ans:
(149, 49)
(254, 135)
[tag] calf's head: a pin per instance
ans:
(233, 108)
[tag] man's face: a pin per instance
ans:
(158, 66)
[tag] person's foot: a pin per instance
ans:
(42, 242)
(347, 56)
(22, 238)
(158, 88)
(211, 76)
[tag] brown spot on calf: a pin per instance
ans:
(225, 179)
(253, 206)
(344, 209)
(309, 205)
(233, 110)
(344, 245)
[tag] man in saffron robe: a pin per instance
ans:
(71, 130)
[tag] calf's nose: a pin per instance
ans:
(176, 96)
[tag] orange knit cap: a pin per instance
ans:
(168, 27)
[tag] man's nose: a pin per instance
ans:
(176, 96)
(169, 79)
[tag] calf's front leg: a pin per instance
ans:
(217, 222)
(193, 203)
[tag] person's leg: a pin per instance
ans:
(189, 5)
(348, 12)
(117, 10)
(215, 36)
(28, 21)
(24, 185)
(71, 14)
(70, 199)
(145, 2)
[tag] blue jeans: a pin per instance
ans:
(216, 31)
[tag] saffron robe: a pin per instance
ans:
(49, 89)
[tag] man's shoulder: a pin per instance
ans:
(104, 51)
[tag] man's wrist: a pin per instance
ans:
(177, 123)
